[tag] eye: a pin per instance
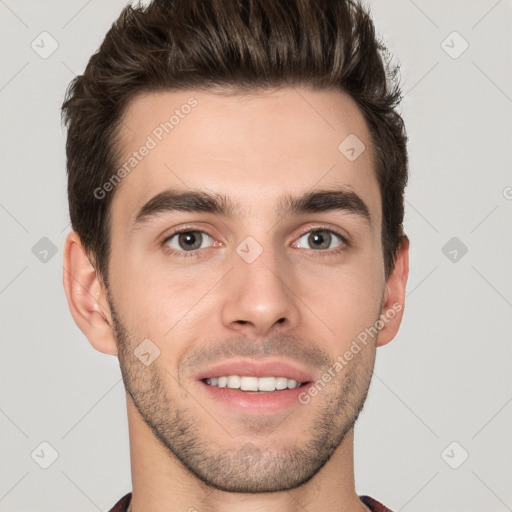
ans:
(320, 239)
(188, 241)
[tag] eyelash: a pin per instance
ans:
(195, 253)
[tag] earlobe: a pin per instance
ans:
(394, 295)
(86, 296)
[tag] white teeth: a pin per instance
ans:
(281, 383)
(293, 384)
(267, 384)
(247, 383)
(233, 382)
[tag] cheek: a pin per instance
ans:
(346, 298)
(161, 303)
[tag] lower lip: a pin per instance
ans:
(255, 401)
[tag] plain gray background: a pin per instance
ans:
(442, 389)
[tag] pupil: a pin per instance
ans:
(190, 240)
(321, 239)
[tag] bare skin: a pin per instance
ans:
(315, 283)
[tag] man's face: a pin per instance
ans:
(260, 290)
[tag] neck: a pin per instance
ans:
(162, 484)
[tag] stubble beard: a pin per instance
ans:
(255, 466)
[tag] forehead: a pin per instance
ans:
(251, 147)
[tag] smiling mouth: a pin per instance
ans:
(250, 383)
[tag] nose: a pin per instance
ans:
(259, 296)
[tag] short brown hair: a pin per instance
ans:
(246, 44)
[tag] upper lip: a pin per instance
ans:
(256, 368)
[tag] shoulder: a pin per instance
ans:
(122, 504)
(373, 505)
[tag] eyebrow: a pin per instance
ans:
(316, 201)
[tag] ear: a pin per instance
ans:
(394, 295)
(87, 297)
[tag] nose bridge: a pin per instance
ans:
(259, 296)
